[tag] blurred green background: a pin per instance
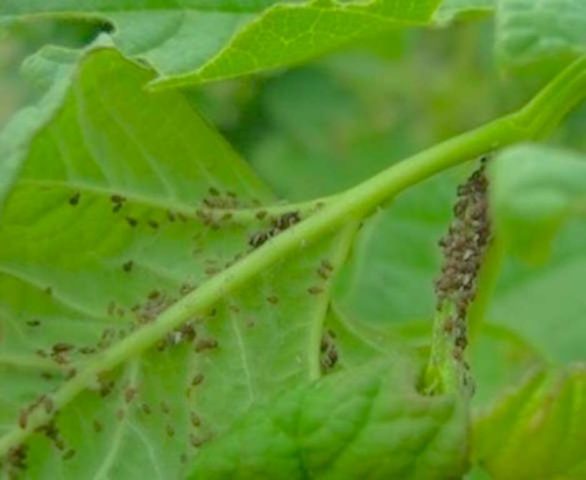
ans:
(316, 129)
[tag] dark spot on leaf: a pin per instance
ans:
(127, 267)
(69, 454)
(129, 394)
(206, 344)
(133, 222)
(315, 290)
(197, 379)
(74, 199)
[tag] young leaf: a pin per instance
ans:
(538, 430)
(365, 422)
(203, 41)
(534, 190)
(116, 203)
(528, 31)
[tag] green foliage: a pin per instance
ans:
(535, 190)
(198, 41)
(540, 443)
(341, 427)
(165, 313)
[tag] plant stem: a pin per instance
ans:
(563, 93)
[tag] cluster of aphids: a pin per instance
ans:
(328, 351)
(278, 225)
(463, 249)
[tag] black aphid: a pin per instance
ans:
(127, 267)
(74, 199)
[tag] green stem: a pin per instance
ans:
(354, 203)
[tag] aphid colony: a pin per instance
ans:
(278, 225)
(463, 250)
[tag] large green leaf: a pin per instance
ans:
(116, 203)
(367, 422)
(528, 31)
(537, 431)
(201, 40)
(534, 191)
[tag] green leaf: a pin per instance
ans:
(537, 431)
(364, 422)
(198, 41)
(115, 204)
(528, 31)
(534, 191)
(451, 9)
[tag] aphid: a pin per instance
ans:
(211, 270)
(146, 409)
(41, 353)
(33, 323)
(97, 426)
(153, 224)
(171, 216)
(72, 372)
(17, 457)
(23, 418)
(286, 220)
(213, 191)
(259, 238)
(206, 344)
(183, 458)
(170, 431)
(69, 454)
(46, 376)
(127, 267)
(165, 408)
(227, 216)
(315, 290)
(74, 199)
(62, 347)
(261, 214)
(49, 291)
(120, 414)
(327, 265)
(197, 379)
(87, 350)
(195, 420)
(133, 222)
(273, 299)
(129, 394)
(196, 441)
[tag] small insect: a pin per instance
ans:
(259, 238)
(170, 431)
(129, 394)
(214, 191)
(153, 224)
(165, 408)
(98, 427)
(69, 454)
(127, 267)
(120, 414)
(195, 420)
(145, 408)
(273, 299)
(260, 215)
(197, 379)
(62, 347)
(33, 323)
(133, 222)
(23, 418)
(74, 199)
(206, 344)
(171, 216)
(315, 290)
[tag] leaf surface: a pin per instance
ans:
(115, 204)
(201, 40)
(528, 31)
(544, 424)
(368, 421)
